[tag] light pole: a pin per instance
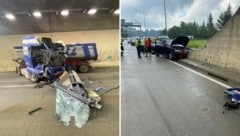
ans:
(165, 17)
(144, 14)
(144, 22)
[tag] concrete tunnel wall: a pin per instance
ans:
(107, 42)
(223, 49)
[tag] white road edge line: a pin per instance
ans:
(202, 75)
(15, 86)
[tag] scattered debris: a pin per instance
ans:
(233, 98)
(109, 90)
(98, 89)
(205, 109)
(74, 100)
(35, 110)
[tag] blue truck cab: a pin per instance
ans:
(43, 59)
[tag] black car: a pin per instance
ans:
(174, 51)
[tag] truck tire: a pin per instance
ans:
(33, 77)
(83, 68)
(18, 70)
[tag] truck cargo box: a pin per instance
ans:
(84, 51)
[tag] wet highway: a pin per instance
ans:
(161, 98)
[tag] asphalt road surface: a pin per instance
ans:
(18, 97)
(161, 98)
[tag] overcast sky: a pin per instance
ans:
(177, 11)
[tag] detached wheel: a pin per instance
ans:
(18, 70)
(83, 68)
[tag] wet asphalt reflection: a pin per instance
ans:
(161, 98)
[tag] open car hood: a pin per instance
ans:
(183, 40)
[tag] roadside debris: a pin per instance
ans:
(35, 110)
(205, 109)
(99, 88)
(105, 92)
(73, 100)
(233, 100)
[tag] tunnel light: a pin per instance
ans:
(64, 12)
(116, 11)
(92, 11)
(37, 14)
(10, 16)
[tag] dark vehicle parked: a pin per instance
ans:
(131, 41)
(176, 50)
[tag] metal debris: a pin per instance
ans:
(73, 100)
(35, 110)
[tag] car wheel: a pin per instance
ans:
(170, 56)
(83, 68)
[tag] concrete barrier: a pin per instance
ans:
(223, 49)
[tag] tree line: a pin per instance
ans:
(200, 31)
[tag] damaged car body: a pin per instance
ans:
(176, 50)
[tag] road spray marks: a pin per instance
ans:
(202, 75)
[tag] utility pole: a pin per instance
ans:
(144, 21)
(165, 17)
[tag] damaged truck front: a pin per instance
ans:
(41, 59)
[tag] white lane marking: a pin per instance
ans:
(204, 76)
(15, 86)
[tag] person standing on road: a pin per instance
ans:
(148, 47)
(122, 48)
(138, 46)
(145, 45)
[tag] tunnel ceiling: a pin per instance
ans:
(52, 21)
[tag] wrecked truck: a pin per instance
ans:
(38, 58)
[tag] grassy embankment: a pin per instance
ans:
(195, 43)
